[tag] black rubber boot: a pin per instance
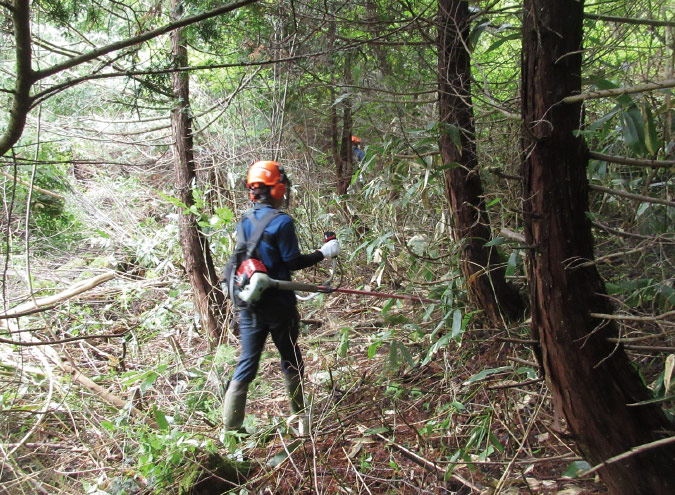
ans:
(234, 405)
(296, 400)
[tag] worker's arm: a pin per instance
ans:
(305, 260)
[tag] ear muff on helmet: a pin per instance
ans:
(278, 190)
(269, 173)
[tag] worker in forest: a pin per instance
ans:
(357, 152)
(276, 312)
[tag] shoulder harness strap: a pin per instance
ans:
(258, 229)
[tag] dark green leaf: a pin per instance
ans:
(497, 241)
(633, 130)
(283, 455)
(160, 418)
(475, 34)
(652, 141)
(502, 40)
(456, 323)
(486, 373)
(512, 264)
(575, 469)
(449, 166)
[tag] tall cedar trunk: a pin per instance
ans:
(592, 380)
(480, 264)
(208, 297)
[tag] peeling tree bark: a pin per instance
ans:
(480, 264)
(591, 379)
(208, 297)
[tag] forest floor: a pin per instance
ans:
(465, 422)
(378, 424)
(428, 429)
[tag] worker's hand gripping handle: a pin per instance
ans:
(330, 248)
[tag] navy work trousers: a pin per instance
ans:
(254, 325)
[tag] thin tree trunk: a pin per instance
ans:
(208, 297)
(334, 140)
(592, 380)
(25, 77)
(480, 265)
(346, 158)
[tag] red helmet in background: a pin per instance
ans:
(270, 174)
(355, 140)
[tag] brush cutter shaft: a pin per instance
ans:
(301, 286)
(260, 282)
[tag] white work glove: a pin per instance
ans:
(330, 249)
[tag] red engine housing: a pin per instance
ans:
(246, 271)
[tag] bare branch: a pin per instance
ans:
(635, 450)
(629, 20)
(632, 161)
(623, 233)
(39, 97)
(512, 235)
(126, 43)
(640, 88)
(637, 197)
(645, 348)
(633, 318)
(26, 77)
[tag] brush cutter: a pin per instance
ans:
(252, 281)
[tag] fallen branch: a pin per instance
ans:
(33, 186)
(45, 354)
(74, 290)
(523, 361)
(427, 464)
(64, 341)
(77, 376)
(499, 173)
(505, 473)
(516, 385)
(26, 313)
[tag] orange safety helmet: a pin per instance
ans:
(270, 174)
(356, 140)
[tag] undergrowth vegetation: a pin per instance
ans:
(404, 397)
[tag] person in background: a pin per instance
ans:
(275, 313)
(357, 152)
